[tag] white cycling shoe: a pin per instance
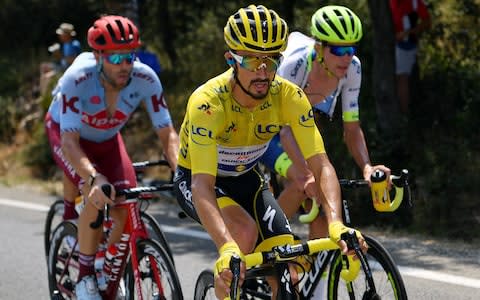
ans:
(87, 289)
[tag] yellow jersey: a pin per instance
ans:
(221, 138)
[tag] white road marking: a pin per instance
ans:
(22, 204)
(438, 276)
(405, 271)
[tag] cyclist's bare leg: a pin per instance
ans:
(290, 199)
(88, 238)
(70, 192)
(318, 228)
(119, 216)
(241, 226)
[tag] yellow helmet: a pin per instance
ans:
(256, 29)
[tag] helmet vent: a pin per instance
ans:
(332, 24)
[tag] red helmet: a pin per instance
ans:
(113, 33)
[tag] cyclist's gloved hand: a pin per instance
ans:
(337, 228)
(226, 252)
(223, 281)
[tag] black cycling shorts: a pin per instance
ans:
(249, 191)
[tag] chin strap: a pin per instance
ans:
(321, 61)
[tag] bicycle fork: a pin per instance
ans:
(370, 291)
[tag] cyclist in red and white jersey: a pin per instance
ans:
(325, 67)
(92, 102)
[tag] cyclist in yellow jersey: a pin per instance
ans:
(228, 124)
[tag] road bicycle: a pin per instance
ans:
(140, 269)
(320, 265)
(55, 212)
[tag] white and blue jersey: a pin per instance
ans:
(79, 103)
(296, 67)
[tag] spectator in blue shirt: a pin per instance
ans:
(149, 59)
(70, 46)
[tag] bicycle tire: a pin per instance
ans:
(254, 287)
(204, 286)
(155, 232)
(62, 273)
(55, 211)
(148, 249)
(388, 281)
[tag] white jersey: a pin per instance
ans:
(297, 64)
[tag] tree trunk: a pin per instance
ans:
(387, 107)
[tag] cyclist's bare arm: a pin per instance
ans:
(303, 177)
(328, 185)
(170, 143)
(355, 141)
(205, 201)
(84, 168)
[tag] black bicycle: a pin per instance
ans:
(321, 267)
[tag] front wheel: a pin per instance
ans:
(387, 279)
(157, 278)
(63, 265)
(204, 288)
(54, 217)
(154, 232)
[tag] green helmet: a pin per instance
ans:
(336, 24)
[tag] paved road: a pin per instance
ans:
(432, 270)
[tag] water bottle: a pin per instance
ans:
(379, 188)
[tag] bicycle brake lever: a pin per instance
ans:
(235, 268)
(351, 239)
(107, 189)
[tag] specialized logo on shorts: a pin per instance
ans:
(206, 108)
(266, 131)
(158, 102)
(307, 120)
(100, 120)
(269, 216)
